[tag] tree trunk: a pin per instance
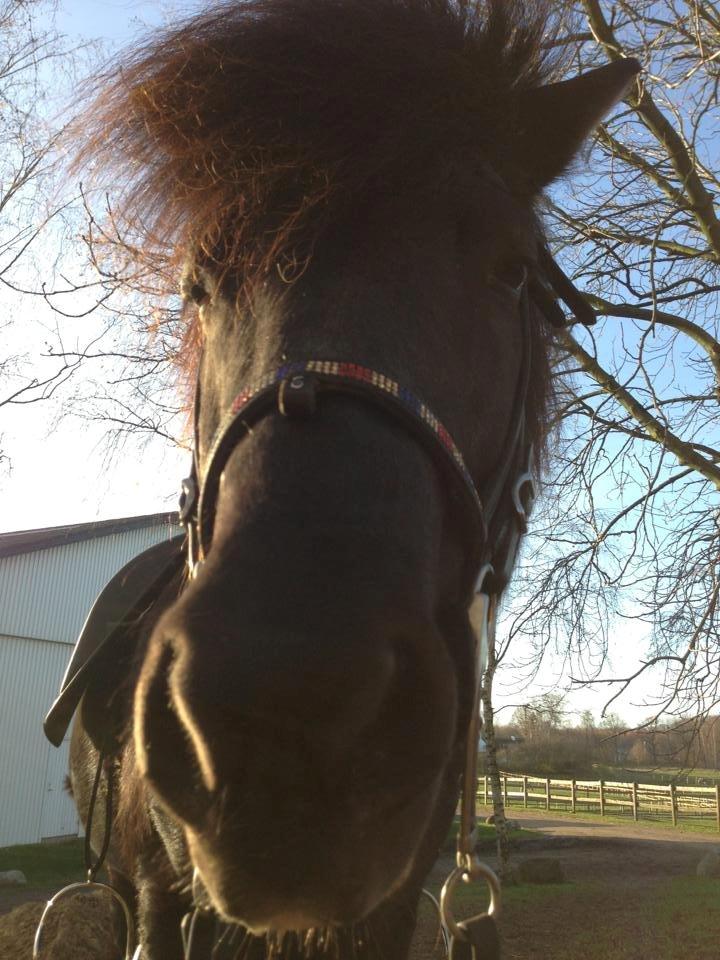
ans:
(501, 829)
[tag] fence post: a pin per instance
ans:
(485, 786)
(573, 795)
(525, 799)
(602, 798)
(717, 803)
(673, 804)
(505, 789)
(547, 793)
(635, 800)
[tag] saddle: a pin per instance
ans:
(109, 636)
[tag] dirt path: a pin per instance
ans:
(556, 825)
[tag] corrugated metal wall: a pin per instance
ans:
(45, 596)
(30, 671)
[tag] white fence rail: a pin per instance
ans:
(641, 801)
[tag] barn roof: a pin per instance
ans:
(28, 541)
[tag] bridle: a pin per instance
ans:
(295, 390)
(497, 513)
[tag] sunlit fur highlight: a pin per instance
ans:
(239, 137)
(242, 133)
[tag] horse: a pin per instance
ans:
(350, 191)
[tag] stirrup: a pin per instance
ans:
(88, 886)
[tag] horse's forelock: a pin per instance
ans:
(241, 131)
(237, 137)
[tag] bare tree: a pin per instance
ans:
(31, 52)
(80, 320)
(630, 526)
(492, 766)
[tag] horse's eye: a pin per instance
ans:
(199, 294)
(512, 273)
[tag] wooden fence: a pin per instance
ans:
(641, 801)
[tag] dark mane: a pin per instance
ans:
(242, 132)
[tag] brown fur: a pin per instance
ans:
(132, 818)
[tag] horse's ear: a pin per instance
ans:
(553, 121)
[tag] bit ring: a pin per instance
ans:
(473, 870)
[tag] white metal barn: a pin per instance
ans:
(49, 579)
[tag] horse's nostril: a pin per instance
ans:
(169, 756)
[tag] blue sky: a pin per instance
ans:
(112, 21)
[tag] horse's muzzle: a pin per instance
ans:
(303, 763)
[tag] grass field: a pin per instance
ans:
(667, 918)
(699, 776)
(653, 804)
(46, 864)
(672, 918)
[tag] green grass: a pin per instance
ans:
(674, 919)
(704, 825)
(473, 896)
(664, 919)
(486, 836)
(46, 864)
(685, 776)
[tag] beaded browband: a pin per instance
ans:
(293, 390)
(338, 370)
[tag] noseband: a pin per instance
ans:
(295, 391)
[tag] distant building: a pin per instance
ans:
(49, 579)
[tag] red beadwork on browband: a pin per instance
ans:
(352, 371)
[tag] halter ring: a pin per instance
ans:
(473, 870)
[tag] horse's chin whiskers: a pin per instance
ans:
(182, 887)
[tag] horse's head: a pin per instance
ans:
(357, 181)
